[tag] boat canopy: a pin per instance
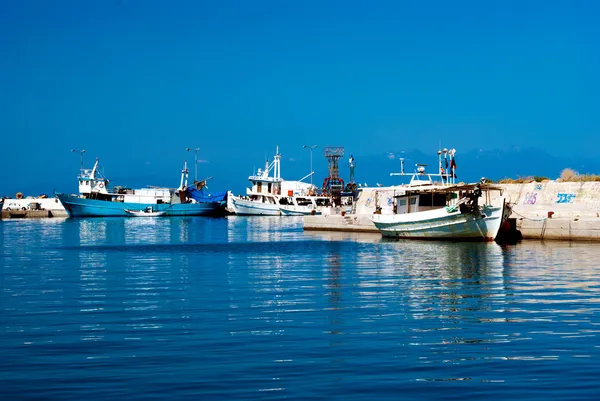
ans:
(447, 188)
(200, 196)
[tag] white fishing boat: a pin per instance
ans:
(303, 212)
(147, 212)
(424, 209)
(271, 195)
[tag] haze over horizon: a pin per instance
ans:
(137, 82)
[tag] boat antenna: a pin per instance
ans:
(81, 152)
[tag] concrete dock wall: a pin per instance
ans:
(547, 210)
(21, 208)
(337, 222)
(556, 210)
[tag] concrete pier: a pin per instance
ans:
(26, 214)
(335, 222)
(33, 208)
(546, 210)
(556, 210)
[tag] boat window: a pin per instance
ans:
(259, 187)
(436, 199)
(322, 202)
(269, 185)
(413, 201)
(270, 199)
(402, 202)
(303, 201)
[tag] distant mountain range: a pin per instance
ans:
(370, 169)
(471, 166)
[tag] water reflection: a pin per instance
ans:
(341, 236)
(262, 228)
(91, 231)
(279, 310)
(147, 230)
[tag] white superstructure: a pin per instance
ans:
(271, 195)
(93, 185)
(445, 210)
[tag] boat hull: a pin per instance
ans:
(82, 207)
(245, 207)
(299, 212)
(442, 225)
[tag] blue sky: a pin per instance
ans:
(136, 82)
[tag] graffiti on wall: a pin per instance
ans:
(565, 198)
(530, 198)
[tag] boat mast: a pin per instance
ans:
(184, 176)
(94, 170)
(452, 152)
(277, 164)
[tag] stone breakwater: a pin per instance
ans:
(556, 210)
(541, 210)
(33, 208)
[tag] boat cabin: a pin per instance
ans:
(263, 183)
(90, 182)
(263, 198)
(437, 197)
(420, 202)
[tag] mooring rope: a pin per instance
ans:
(529, 218)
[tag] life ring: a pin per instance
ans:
(101, 185)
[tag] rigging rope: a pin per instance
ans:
(529, 218)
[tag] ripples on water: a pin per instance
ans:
(244, 308)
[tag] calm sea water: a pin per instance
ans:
(255, 308)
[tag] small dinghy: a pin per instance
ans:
(147, 212)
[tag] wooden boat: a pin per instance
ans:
(424, 210)
(148, 212)
(438, 213)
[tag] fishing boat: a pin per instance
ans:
(148, 212)
(425, 209)
(97, 199)
(303, 212)
(271, 195)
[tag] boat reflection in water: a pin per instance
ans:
(343, 236)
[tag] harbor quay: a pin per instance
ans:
(540, 210)
(549, 210)
(32, 208)
(431, 206)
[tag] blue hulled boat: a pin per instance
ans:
(96, 200)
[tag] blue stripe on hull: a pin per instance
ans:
(80, 207)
